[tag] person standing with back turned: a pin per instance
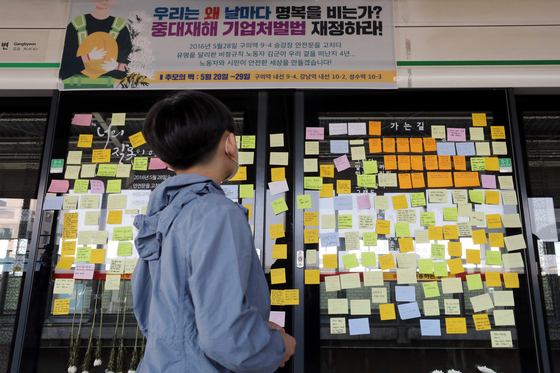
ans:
(200, 295)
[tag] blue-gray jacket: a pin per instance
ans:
(200, 295)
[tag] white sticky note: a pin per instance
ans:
(359, 326)
(277, 187)
(278, 317)
(337, 129)
(357, 128)
(430, 328)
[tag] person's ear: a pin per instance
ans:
(232, 145)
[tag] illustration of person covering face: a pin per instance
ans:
(96, 49)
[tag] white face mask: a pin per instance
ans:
(233, 159)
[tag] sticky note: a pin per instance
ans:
(473, 256)
(114, 186)
(276, 140)
(515, 242)
(311, 236)
(474, 282)
(124, 249)
(310, 182)
(157, 164)
(107, 170)
(101, 156)
(379, 295)
(382, 227)
(370, 167)
(466, 179)
(431, 308)
(332, 283)
(444, 162)
(405, 244)
(514, 260)
(369, 259)
(403, 145)
(140, 164)
(117, 266)
(455, 266)
(406, 276)
(438, 132)
(451, 285)
(114, 217)
(84, 271)
(499, 148)
(479, 237)
(338, 325)
(116, 202)
(387, 180)
(358, 153)
(92, 217)
(390, 162)
(314, 133)
(425, 266)
(503, 298)
(311, 257)
(381, 202)
(74, 157)
(327, 191)
(70, 226)
(456, 134)
(312, 277)
(387, 311)
(350, 281)
(417, 200)
(61, 306)
(370, 239)
(476, 196)
(339, 146)
(409, 311)
(388, 145)
(492, 164)
(405, 293)
(279, 158)
(481, 302)
(97, 256)
(402, 230)
(360, 307)
(504, 317)
(456, 325)
(358, 326)
(482, 148)
(330, 261)
(123, 170)
(481, 322)
(440, 179)
(375, 145)
(343, 203)
(329, 239)
(312, 148)
(375, 128)
(386, 261)
(493, 279)
(137, 139)
(427, 219)
(431, 289)
(344, 221)
(84, 141)
(501, 339)
(280, 251)
(479, 119)
(498, 132)
(277, 297)
(246, 191)
(437, 195)
(493, 221)
(278, 276)
(493, 257)
(465, 149)
(452, 306)
(435, 233)
(438, 251)
(72, 172)
(363, 201)
(446, 148)
(276, 230)
(372, 278)
(367, 181)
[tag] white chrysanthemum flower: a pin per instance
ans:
(141, 42)
(453, 371)
(131, 371)
(485, 370)
(437, 371)
(85, 371)
(72, 369)
(97, 362)
(142, 57)
(109, 371)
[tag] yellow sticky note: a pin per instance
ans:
(277, 297)
(400, 202)
(114, 217)
(435, 233)
(276, 231)
(493, 279)
(493, 221)
(278, 276)
(450, 232)
(246, 157)
(343, 187)
(311, 235)
(279, 158)
(327, 170)
(330, 261)
(327, 191)
(492, 197)
(279, 251)
(481, 322)
(473, 256)
(496, 239)
(383, 227)
(118, 119)
(358, 153)
(479, 119)
(479, 237)
(455, 248)
(310, 165)
(498, 132)
(406, 244)
(278, 174)
(140, 164)
(276, 140)
(97, 256)
(511, 280)
(137, 139)
(84, 141)
(386, 261)
(456, 325)
(310, 219)
(241, 174)
(455, 266)
(249, 210)
(68, 248)
(291, 297)
(65, 262)
(61, 306)
(312, 277)
(492, 163)
(387, 311)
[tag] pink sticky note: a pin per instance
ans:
(341, 163)
(364, 202)
(84, 271)
(488, 181)
(97, 186)
(278, 317)
(156, 164)
(82, 120)
(456, 134)
(59, 186)
(314, 133)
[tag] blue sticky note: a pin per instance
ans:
(359, 326)
(53, 203)
(430, 328)
(329, 239)
(446, 148)
(339, 146)
(405, 293)
(409, 311)
(343, 203)
(465, 148)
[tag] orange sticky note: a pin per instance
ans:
(388, 145)
(399, 202)
(431, 162)
(456, 325)
(406, 244)
(97, 256)
(386, 261)
(460, 163)
(479, 237)
(327, 191)
(404, 162)
(493, 221)
(279, 173)
(330, 261)
(343, 187)
(435, 233)
(114, 217)
(450, 232)
(455, 266)
(404, 181)
(101, 156)
(374, 128)
(492, 197)
(430, 144)
(473, 256)
(492, 163)
(416, 145)
(444, 162)
(455, 248)
(327, 170)
(416, 162)
(418, 180)
(440, 180)
(387, 311)
(402, 145)
(511, 280)
(496, 239)
(375, 145)
(466, 179)
(383, 227)
(479, 119)
(390, 162)
(493, 279)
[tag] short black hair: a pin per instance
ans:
(185, 128)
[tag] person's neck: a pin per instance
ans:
(209, 170)
(100, 14)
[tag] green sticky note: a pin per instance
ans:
(425, 266)
(474, 282)
(476, 196)
(440, 269)
(83, 254)
(417, 199)
(402, 230)
(370, 167)
(367, 181)
(494, 257)
(122, 234)
(304, 201)
(368, 259)
(350, 261)
(107, 170)
(140, 164)
(279, 206)
(81, 186)
(246, 191)
(344, 221)
(248, 142)
(315, 182)
(431, 289)
(438, 251)
(427, 219)
(370, 239)
(113, 186)
(124, 249)
(478, 164)
(450, 214)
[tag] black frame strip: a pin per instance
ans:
(260, 175)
